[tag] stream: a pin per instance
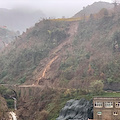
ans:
(14, 117)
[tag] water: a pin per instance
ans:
(15, 103)
(13, 115)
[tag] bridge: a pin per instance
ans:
(24, 91)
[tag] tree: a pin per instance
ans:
(91, 17)
(43, 115)
(96, 87)
(103, 13)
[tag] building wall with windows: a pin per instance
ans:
(106, 108)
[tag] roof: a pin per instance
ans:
(95, 98)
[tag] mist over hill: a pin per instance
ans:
(20, 18)
(94, 8)
(6, 37)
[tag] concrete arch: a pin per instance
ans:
(15, 93)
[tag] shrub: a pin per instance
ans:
(10, 103)
(2, 90)
(22, 80)
(3, 74)
(43, 115)
(96, 87)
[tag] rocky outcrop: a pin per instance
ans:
(77, 110)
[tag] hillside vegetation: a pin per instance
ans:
(69, 54)
(71, 58)
(20, 60)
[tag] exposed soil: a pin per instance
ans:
(45, 72)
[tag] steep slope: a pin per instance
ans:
(19, 19)
(63, 55)
(31, 48)
(69, 54)
(55, 57)
(94, 8)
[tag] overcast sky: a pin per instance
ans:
(52, 8)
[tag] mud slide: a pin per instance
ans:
(46, 68)
(57, 51)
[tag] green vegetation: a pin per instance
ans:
(91, 54)
(7, 93)
(97, 87)
(57, 102)
(10, 103)
(23, 57)
(87, 56)
(22, 80)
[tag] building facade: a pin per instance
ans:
(106, 108)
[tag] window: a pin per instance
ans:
(117, 104)
(115, 113)
(99, 113)
(98, 104)
(108, 104)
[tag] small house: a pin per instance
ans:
(106, 108)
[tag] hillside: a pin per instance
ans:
(3, 108)
(60, 53)
(63, 59)
(94, 8)
(19, 19)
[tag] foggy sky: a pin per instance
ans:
(51, 8)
